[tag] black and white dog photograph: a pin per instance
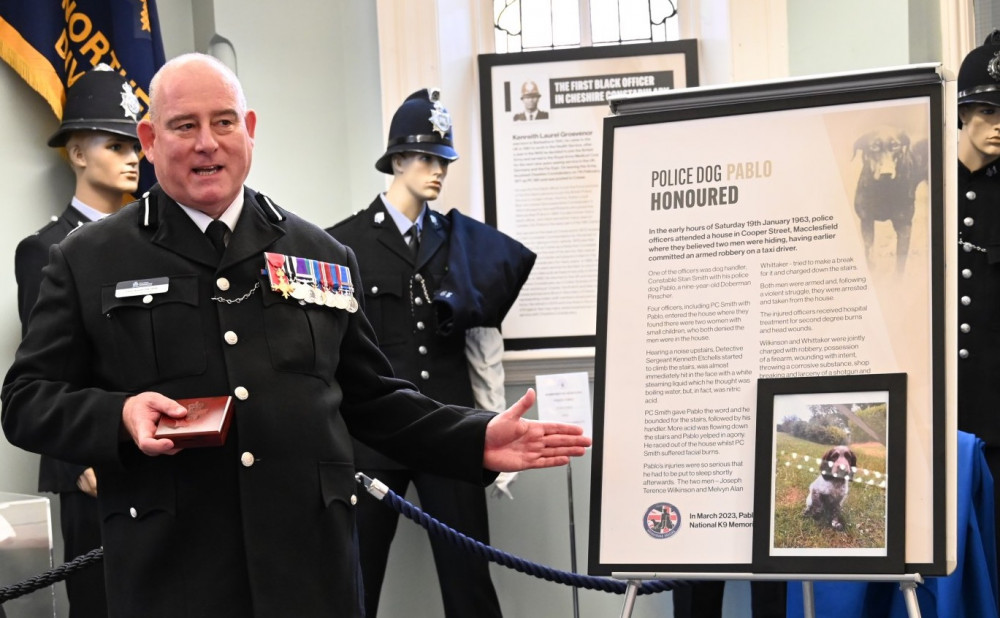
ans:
(893, 165)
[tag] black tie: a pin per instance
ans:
(414, 240)
(217, 232)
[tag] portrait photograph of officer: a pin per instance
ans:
(529, 98)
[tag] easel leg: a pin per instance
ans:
(631, 592)
(808, 600)
(910, 596)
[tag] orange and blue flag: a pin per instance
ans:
(51, 43)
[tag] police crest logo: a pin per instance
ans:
(662, 520)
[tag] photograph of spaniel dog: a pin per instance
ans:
(891, 170)
(829, 491)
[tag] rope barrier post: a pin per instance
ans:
(631, 591)
(572, 539)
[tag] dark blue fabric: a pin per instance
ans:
(969, 592)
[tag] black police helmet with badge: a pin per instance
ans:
(979, 75)
(421, 124)
(101, 100)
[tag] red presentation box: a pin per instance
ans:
(206, 424)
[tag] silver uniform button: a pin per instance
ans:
(418, 301)
(963, 353)
(222, 283)
(374, 289)
(965, 328)
(966, 301)
(420, 326)
(425, 375)
(971, 195)
(968, 221)
(241, 393)
(231, 337)
(148, 298)
(247, 459)
(134, 513)
(422, 350)
(968, 248)
(966, 273)
(354, 499)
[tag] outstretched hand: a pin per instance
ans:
(514, 443)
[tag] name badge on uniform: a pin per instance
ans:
(141, 287)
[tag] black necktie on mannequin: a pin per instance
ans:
(217, 232)
(414, 240)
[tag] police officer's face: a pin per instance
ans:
(201, 141)
(981, 128)
(530, 102)
(423, 174)
(108, 163)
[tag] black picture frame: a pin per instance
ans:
(498, 97)
(801, 526)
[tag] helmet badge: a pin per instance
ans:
(130, 103)
(993, 66)
(440, 118)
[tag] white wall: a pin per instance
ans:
(310, 70)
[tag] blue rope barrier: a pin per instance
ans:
(432, 525)
(438, 529)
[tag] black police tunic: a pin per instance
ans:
(979, 302)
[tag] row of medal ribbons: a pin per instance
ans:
(311, 281)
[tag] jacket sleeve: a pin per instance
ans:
(49, 403)
(30, 257)
(390, 416)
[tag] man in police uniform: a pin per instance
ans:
(979, 252)
(421, 272)
(193, 291)
(98, 133)
(529, 98)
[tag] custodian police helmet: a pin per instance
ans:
(420, 124)
(979, 75)
(101, 100)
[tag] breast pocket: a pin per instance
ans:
(157, 336)
(303, 337)
(387, 307)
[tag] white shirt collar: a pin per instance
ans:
(230, 216)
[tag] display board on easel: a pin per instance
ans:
(772, 286)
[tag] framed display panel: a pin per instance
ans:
(542, 174)
(830, 474)
(750, 232)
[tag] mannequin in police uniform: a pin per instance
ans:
(98, 132)
(429, 293)
(979, 251)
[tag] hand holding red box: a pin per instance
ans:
(206, 424)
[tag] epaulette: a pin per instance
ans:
(148, 210)
(351, 217)
(271, 210)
